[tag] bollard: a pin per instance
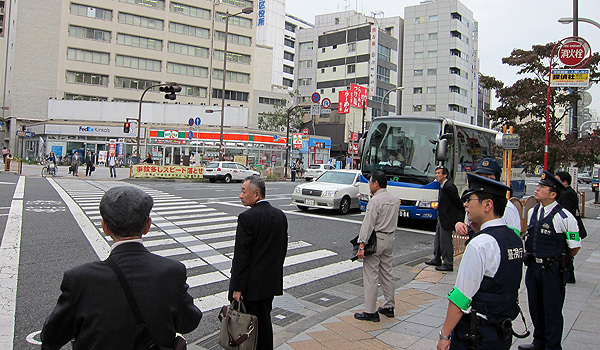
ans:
(582, 204)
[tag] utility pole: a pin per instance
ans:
(575, 90)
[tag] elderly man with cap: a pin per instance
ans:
(93, 310)
(488, 167)
(552, 238)
(484, 300)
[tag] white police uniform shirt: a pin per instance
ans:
(511, 217)
(568, 224)
(481, 258)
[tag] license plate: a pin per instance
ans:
(404, 213)
(309, 201)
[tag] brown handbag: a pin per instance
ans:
(239, 330)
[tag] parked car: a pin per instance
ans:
(315, 170)
(227, 172)
(334, 189)
(584, 178)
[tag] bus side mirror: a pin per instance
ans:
(361, 144)
(440, 152)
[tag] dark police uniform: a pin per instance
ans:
(549, 238)
(487, 285)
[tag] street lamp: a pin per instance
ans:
(287, 139)
(399, 88)
(246, 11)
(567, 20)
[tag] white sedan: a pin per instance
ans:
(334, 189)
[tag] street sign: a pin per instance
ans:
(508, 141)
(273, 158)
(29, 134)
(315, 109)
(352, 148)
(315, 97)
(572, 53)
(326, 103)
(325, 111)
(586, 98)
(275, 137)
(297, 140)
(569, 77)
(191, 122)
(197, 121)
(190, 134)
(305, 131)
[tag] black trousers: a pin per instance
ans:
(489, 335)
(546, 295)
(262, 309)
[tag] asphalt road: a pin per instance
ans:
(60, 229)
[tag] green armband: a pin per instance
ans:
(459, 299)
(517, 231)
(572, 236)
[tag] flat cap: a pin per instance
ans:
(549, 180)
(483, 184)
(488, 166)
(125, 206)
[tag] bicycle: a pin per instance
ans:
(49, 169)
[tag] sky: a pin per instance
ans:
(503, 26)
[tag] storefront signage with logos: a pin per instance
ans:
(166, 171)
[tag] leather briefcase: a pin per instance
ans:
(239, 330)
(370, 246)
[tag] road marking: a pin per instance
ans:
(305, 257)
(205, 278)
(10, 249)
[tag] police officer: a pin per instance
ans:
(552, 238)
(489, 167)
(484, 299)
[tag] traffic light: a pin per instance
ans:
(126, 127)
(170, 91)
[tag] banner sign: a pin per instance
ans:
(344, 102)
(570, 78)
(358, 95)
(166, 171)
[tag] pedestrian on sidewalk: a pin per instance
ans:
(4, 153)
(485, 297)
(552, 238)
(293, 169)
(488, 167)
(381, 219)
(570, 201)
(257, 267)
(450, 211)
(93, 311)
(89, 163)
(75, 163)
(112, 163)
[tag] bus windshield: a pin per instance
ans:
(403, 148)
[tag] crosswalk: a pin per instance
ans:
(203, 238)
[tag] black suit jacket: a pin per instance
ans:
(568, 199)
(260, 248)
(450, 208)
(93, 310)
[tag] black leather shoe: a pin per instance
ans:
(388, 311)
(365, 316)
(433, 262)
(530, 347)
(444, 268)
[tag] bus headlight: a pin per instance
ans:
(428, 204)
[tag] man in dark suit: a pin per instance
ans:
(570, 201)
(260, 248)
(450, 211)
(93, 310)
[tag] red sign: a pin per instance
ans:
(273, 158)
(344, 102)
(352, 148)
(305, 131)
(572, 53)
(358, 95)
(312, 148)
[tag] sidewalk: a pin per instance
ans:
(421, 308)
(101, 172)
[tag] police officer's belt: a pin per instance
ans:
(387, 233)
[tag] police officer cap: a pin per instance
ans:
(488, 166)
(125, 207)
(549, 180)
(483, 184)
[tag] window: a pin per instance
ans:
(235, 20)
(188, 50)
(457, 108)
(138, 63)
(323, 50)
(432, 71)
(432, 36)
(433, 18)
(138, 41)
(193, 91)
(333, 90)
(431, 89)
(188, 30)
(89, 33)
(351, 47)
(383, 74)
(305, 82)
(455, 89)
(231, 95)
(139, 21)
(188, 10)
(418, 72)
(288, 56)
(89, 11)
(417, 108)
(270, 101)
(307, 45)
(288, 82)
(236, 77)
(431, 54)
(233, 38)
(291, 27)
(84, 97)
(384, 53)
(419, 19)
(88, 56)
(238, 3)
(351, 68)
(288, 42)
(417, 90)
(158, 4)
(86, 78)
(334, 69)
(430, 108)
(419, 54)
(305, 63)
(419, 37)
(186, 69)
(134, 83)
(337, 20)
(379, 93)
(288, 69)
(233, 57)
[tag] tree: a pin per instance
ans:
(277, 119)
(523, 106)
